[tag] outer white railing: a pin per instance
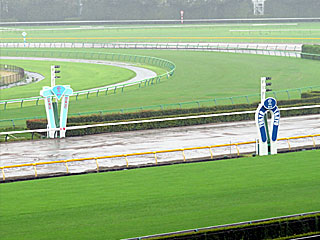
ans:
(159, 21)
(236, 47)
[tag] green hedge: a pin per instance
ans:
(312, 94)
(262, 230)
(100, 118)
(185, 112)
(311, 49)
(298, 236)
(42, 123)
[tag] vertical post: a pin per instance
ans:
(66, 164)
(35, 170)
(155, 157)
(211, 153)
(238, 151)
(247, 99)
(267, 139)
(53, 79)
(274, 131)
(314, 142)
(56, 92)
(181, 16)
(24, 34)
(268, 133)
(50, 116)
(262, 144)
(127, 162)
(184, 156)
(263, 89)
(64, 116)
(3, 176)
(289, 146)
(53, 74)
(96, 159)
(64, 110)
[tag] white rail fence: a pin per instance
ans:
(229, 20)
(151, 120)
(237, 47)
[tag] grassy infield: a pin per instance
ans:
(147, 201)
(204, 80)
(82, 75)
(138, 202)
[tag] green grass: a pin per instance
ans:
(199, 75)
(301, 33)
(80, 76)
(139, 202)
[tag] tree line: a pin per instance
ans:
(57, 10)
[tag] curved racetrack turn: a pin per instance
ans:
(141, 73)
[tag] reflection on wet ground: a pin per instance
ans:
(145, 141)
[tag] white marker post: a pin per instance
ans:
(47, 94)
(54, 70)
(267, 143)
(58, 92)
(24, 34)
(181, 15)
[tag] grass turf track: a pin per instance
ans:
(138, 202)
(79, 75)
(271, 33)
(199, 75)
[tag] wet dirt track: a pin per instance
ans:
(148, 140)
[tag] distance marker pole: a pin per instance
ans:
(181, 15)
(24, 34)
(54, 70)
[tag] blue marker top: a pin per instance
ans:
(270, 103)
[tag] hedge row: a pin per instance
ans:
(305, 235)
(42, 123)
(100, 118)
(312, 49)
(312, 94)
(263, 230)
